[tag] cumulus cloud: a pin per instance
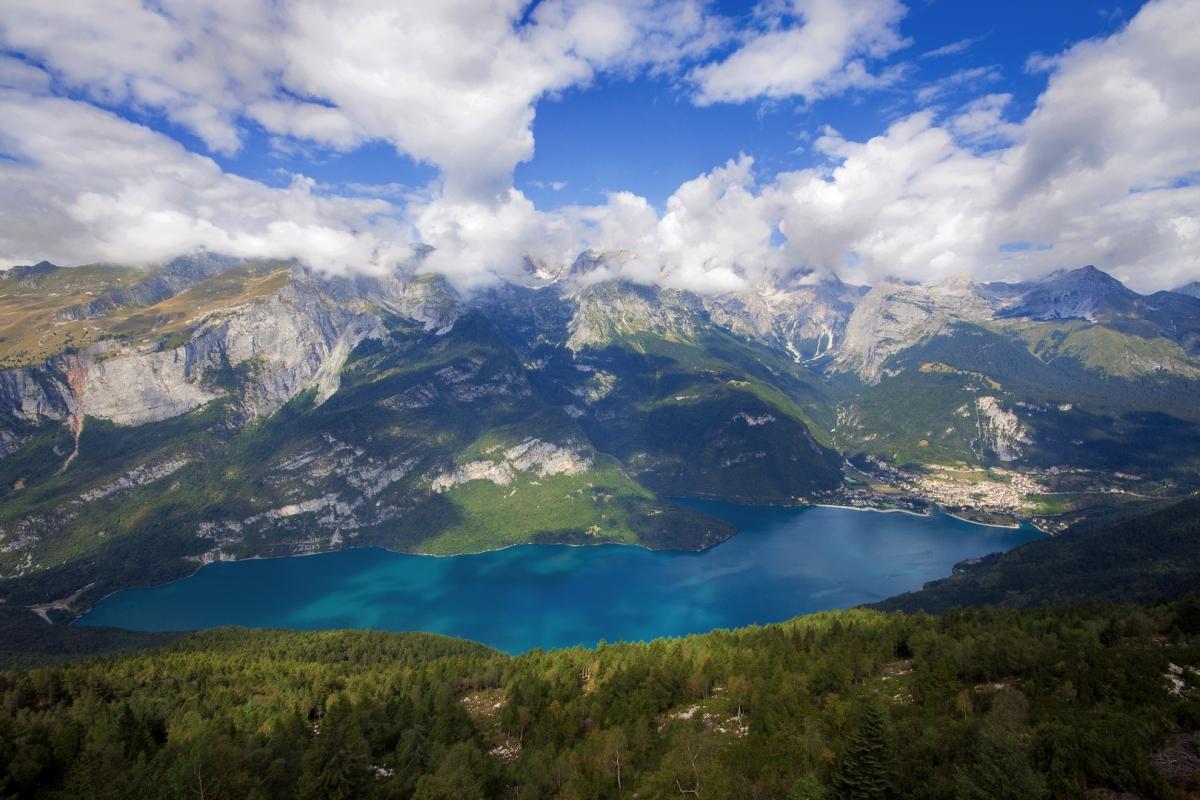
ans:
(811, 49)
(479, 243)
(1103, 170)
(82, 184)
(452, 83)
(714, 235)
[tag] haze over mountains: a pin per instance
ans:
(218, 408)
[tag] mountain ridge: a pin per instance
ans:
(266, 408)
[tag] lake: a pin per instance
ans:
(783, 562)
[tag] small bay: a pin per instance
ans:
(783, 562)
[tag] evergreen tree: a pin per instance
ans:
(998, 770)
(337, 765)
(459, 776)
(808, 787)
(865, 771)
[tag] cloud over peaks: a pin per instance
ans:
(1103, 170)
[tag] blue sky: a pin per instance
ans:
(643, 134)
(717, 143)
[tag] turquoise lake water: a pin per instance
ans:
(782, 562)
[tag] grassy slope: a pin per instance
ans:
(33, 326)
(29, 332)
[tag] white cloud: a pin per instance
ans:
(953, 48)
(957, 81)
(479, 243)
(813, 49)
(16, 74)
(714, 235)
(1102, 171)
(452, 83)
(85, 185)
(982, 121)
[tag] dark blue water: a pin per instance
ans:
(783, 562)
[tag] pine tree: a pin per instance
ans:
(865, 772)
(337, 765)
(998, 770)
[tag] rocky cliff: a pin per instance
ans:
(218, 408)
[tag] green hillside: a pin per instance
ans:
(991, 704)
(1125, 557)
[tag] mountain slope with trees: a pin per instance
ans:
(152, 420)
(994, 703)
(1141, 556)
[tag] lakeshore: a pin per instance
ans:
(784, 561)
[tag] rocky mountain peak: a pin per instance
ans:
(24, 273)
(1084, 293)
(960, 283)
(894, 316)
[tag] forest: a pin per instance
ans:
(1133, 556)
(985, 703)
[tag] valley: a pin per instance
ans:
(599, 400)
(223, 409)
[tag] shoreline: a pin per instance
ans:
(260, 557)
(939, 510)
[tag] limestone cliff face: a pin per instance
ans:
(606, 310)
(146, 387)
(532, 455)
(297, 338)
(1001, 432)
(808, 320)
(32, 395)
(893, 317)
(280, 345)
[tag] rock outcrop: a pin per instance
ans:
(894, 316)
(1000, 432)
(532, 455)
(605, 311)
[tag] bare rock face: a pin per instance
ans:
(806, 318)
(532, 455)
(146, 387)
(607, 310)
(31, 395)
(298, 337)
(426, 299)
(1000, 431)
(295, 338)
(894, 316)
(141, 475)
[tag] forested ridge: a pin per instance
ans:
(1141, 556)
(1051, 702)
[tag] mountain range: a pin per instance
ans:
(155, 419)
